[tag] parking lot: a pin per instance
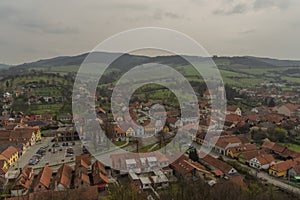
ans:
(52, 155)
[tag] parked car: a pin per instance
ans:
(55, 145)
(33, 161)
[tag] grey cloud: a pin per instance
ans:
(50, 28)
(262, 4)
(248, 31)
(236, 9)
(159, 15)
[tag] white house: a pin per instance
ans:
(262, 161)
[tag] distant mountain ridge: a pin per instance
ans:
(4, 66)
(127, 60)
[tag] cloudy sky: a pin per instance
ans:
(36, 29)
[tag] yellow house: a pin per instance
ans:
(3, 164)
(35, 129)
(166, 129)
(37, 132)
(130, 132)
(10, 155)
(234, 152)
(280, 169)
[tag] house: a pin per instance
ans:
(23, 182)
(246, 156)
(35, 129)
(262, 161)
(130, 132)
(118, 131)
(224, 142)
(159, 179)
(216, 164)
(3, 171)
(289, 110)
(63, 178)
(43, 180)
(90, 193)
(186, 168)
(81, 167)
(138, 162)
(280, 169)
(22, 135)
(294, 171)
(145, 182)
(234, 152)
(10, 155)
(139, 131)
(234, 110)
(81, 180)
(99, 175)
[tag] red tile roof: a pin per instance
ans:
(283, 166)
(182, 167)
(217, 164)
(63, 175)
(238, 180)
(291, 107)
(44, 177)
(242, 148)
(265, 159)
(9, 152)
(268, 145)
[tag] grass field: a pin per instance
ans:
(293, 147)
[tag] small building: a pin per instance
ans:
(43, 180)
(23, 182)
(280, 169)
(145, 182)
(81, 180)
(10, 155)
(63, 178)
(262, 161)
(294, 171)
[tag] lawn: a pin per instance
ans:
(119, 143)
(293, 147)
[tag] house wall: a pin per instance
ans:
(39, 187)
(274, 172)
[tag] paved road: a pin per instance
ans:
(262, 175)
(278, 183)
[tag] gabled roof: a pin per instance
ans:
(238, 180)
(63, 175)
(86, 158)
(99, 177)
(232, 108)
(268, 145)
(265, 159)
(218, 164)
(44, 177)
(248, 155)
(278, 148)
(9, 152)
(242, 148)
(291, 107)
(99, 167)
(84, 177)
(283, 166)
(181, 166)
(225, 140)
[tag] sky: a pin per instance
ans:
(38, 29)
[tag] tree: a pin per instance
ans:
(7, 84)
(193, 155)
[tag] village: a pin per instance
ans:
(39, 153)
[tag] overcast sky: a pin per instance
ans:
(36, 29)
